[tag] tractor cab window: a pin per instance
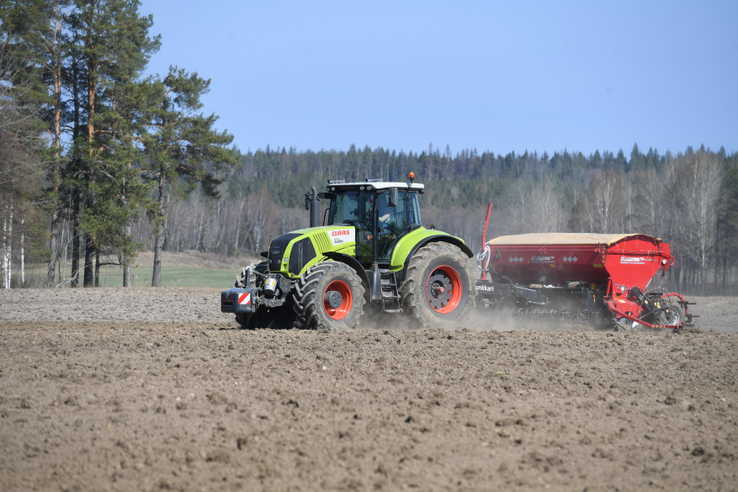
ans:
(413, 210)
(352, 207)
(394, 222)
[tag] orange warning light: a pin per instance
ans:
(411, 176)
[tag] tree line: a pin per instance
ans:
(88, 143)
(98, 162)
(689, 200)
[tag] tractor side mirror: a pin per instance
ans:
(393, 197)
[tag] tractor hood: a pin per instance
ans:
(291, 253)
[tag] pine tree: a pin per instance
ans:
(112, 47)
(181, 144)
(637, 159)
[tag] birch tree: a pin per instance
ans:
(538, 208)
(603, 204)
(698, 193)
(21, 150)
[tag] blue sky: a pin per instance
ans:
(484, 75)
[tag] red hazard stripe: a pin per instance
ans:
(244, 298)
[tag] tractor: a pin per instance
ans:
(368, 251)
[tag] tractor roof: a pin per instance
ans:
(373, 184)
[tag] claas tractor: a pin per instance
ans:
(367, 252)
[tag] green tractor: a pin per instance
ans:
(371, 252)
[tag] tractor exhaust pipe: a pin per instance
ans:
(312, 203)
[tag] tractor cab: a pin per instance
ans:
(380, 212)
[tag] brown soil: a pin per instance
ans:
(154, 389)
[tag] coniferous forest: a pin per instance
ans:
(99, 162)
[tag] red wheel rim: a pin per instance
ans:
(346, 299)
(444, 290)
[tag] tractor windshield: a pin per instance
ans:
(401, 218)
(352, 207)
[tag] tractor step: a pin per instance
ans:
(390, 294)
(389, 284)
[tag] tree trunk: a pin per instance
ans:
(90, 251)
(23, 253)
(92, 67)
(62, 265)
(97, 268)
(6, 253)
(158, 232)
(56, 70)
(238, 229)
(127, 275)
(75, 240)
(725, 273)
(8, 246)
(54, 245)
(156, 275)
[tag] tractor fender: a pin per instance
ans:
(435, 238)
(353, 263)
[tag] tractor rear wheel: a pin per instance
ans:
(329, 296)
(437, 289)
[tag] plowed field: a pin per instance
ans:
(155, 389)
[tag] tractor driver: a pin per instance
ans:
(385, 214)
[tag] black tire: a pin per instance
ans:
(438, 287)
(247, 320)
(313, 308)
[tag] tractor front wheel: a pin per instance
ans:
(329, 296)
(437, 289)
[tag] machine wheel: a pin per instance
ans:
(438, 285)
(329, 296)
(672, 315)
